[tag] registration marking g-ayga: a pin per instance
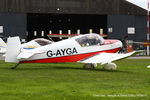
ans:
(62, 52)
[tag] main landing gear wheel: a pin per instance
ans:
(90, 66)
(110, 66)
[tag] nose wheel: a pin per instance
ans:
(90, 66)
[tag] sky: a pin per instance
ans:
(141, 3)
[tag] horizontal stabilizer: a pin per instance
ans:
(2, 50)
(27, 54)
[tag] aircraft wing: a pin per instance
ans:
(104, 58)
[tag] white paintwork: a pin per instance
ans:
(70, 43)
(11, 54)
(25, 54)
(148, 66)
(105, 58)
(30, 44)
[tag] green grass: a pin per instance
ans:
(69, 81)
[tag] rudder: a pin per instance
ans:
(13, 49)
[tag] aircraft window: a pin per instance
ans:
(90, 40)
(43, 42)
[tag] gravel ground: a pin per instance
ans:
(139, 57)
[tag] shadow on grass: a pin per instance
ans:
(97, 69)
(59, 67)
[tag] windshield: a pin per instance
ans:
(90, 40)
(43, 42)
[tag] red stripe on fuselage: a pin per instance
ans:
(69, 58)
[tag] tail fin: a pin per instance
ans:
(13, 49)
(2, 46)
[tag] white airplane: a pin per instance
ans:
(2, 46)
(27, 46)
(90, 49)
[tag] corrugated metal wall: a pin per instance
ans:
(13, 24)
(70, 6)
(121, 23)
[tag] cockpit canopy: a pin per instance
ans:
(90, 40)
(43, 42)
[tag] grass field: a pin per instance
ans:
(70, 81)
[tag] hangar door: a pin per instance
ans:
(39, 25)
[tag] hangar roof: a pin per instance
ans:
(104, 7)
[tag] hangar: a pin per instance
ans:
(116, 18)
